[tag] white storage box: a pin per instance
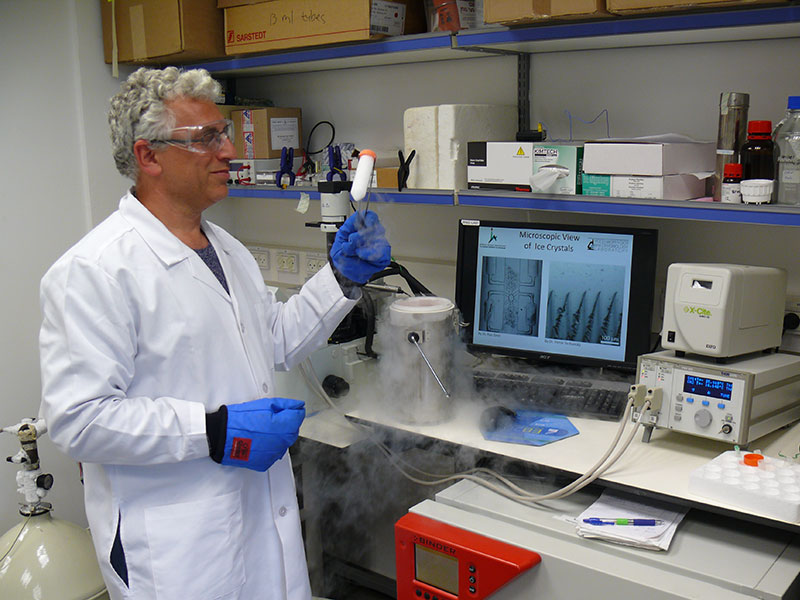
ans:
(648, 158)
(500, 166)
(440, 134)
(668, 187)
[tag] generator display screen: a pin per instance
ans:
(705, 386)
(436, 568)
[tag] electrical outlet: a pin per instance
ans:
(261, 255)
(288, 262)
(314, 262)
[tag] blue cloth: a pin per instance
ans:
(260, 432)
(360, 248)
(209, 256)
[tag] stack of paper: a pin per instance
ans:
(614, 508)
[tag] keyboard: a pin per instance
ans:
(575, 397)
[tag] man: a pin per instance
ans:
(158, 349)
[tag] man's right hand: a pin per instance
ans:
(254, 434)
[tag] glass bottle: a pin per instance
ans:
(787, 151)
(758, 161)
(731, 184)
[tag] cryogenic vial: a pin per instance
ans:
(787, 144)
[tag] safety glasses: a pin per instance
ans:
(200, 138)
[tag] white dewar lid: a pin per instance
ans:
(420, 308)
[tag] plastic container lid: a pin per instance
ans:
(732, 170)
(759, 128)
(793, 103)
(752, 460)
(756, 191)
(419, 309)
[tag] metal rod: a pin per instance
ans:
(385, 288)
(414, 339)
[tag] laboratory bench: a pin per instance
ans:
(658, 469)
(718, 550)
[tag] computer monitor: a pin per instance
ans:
(560, 293)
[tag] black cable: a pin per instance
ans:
(369, 313)
(311, 133)
(397, 269)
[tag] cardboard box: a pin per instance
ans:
(668, 187)
(230, 3)
(499, 166)
(654, 158)
(157, 31)
(228, 109)
(263, 132)
(282, 24)
(526, 11)
(470, 15)
(386, 177)
(635, 6)
(568, 155)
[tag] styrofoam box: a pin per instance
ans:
(772, 488)
(439, 134)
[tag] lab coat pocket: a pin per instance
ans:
(196, 547)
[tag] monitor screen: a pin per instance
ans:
(562, 293)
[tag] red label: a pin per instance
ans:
(240, 449)
(230, 36)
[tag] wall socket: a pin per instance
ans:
(314, 262)
(288, 262)
(284, 266)
(261, 255)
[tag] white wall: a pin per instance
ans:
(60, 180)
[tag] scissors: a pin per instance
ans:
(404, 170)
(335, 163)
(287, 165)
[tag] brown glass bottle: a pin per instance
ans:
(757, 154)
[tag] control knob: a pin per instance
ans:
(703, 418)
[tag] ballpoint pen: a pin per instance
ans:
(634, 522)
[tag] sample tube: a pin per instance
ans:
(731, 134)
(366, 162)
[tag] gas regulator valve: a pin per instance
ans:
(31, 482)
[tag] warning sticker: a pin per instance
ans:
(240, 448)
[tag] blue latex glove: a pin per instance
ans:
(259, 432)
(360, 248)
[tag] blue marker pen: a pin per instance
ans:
(634, 522)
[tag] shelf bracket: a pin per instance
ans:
(523, 92)
(523, 78)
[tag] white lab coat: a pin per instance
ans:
(139, 341)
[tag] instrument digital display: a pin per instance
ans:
(436, 569)
(705, 386)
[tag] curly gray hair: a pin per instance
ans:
(138, 111)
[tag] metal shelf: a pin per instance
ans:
(611, 32)
(377, 195)
(397, 50)
(769, 214)
(622, 32)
